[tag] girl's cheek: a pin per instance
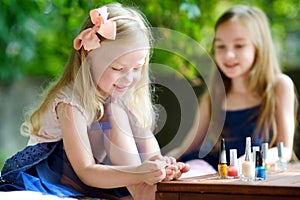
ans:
(218, 59)
(139, 77)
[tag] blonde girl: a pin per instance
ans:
(92, 133)
(259, 100)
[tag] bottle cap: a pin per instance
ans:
(280, 149)
(258, 161)
(254, 149)
(265, 147)
(233, 157)
(248, 149)
(222, 156)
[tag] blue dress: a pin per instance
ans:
(238, 125)
(45, 168)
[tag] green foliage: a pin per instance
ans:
(36, 36)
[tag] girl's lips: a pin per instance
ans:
(230, 66)
(121, 88)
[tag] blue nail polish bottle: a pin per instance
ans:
(260, 170)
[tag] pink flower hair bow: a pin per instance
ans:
(103, 26)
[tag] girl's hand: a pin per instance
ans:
(183, 167)
(152, 172)
(175, 169)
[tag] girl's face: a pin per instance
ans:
(122, 74)
(234, 51)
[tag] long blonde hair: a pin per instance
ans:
(76, 73)
(265, 69)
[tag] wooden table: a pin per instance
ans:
(282, 185)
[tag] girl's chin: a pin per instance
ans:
(230, 74)
(117, 94)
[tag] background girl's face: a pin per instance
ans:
(123, 73)
(234, 51)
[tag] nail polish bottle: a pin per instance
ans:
(222, 166)
(265, 148)
(281, 163)
(233, 168)
(248, 168)
(260, 170)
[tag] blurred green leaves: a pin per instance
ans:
(36, 36)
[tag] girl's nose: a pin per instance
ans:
(230, 53)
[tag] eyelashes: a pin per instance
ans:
(119, 69)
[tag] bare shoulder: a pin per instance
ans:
(283, 83)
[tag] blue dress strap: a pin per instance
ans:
(101, 126)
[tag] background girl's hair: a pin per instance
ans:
(77, 72)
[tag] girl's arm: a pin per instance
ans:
(143, 142)
(78, 150)
(285, 109)
(194, 138)
(137, 144)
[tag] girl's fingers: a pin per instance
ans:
(185, 168)
(156, 157)
(177, 175)
(155, 177)
(165, 168)
(172, 160)
(156, 165)
(169, 171)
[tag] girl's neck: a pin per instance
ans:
(240, 96)
(239, 85)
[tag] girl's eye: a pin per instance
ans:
(137, 68)
(117, 68)
(220, 46)
(239, 46)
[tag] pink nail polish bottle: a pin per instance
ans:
(233, 168)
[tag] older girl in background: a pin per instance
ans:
(259, 100)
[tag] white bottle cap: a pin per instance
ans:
(248, 149)
(233, 157)
(265, 147)
(254, 150)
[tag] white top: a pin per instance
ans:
(50, 130)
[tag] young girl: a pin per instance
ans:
(259, 100)
(91, 135)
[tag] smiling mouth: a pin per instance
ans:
(231, 66)
(118, 87)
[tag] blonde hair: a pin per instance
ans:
(265, 67)
(77, 72)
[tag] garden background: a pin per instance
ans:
(36, 38)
